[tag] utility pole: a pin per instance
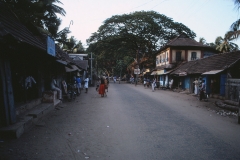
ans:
(91, 67)
(137, 67)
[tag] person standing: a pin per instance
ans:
(196, 86)
(202, 90)
(86, 84)
(171, 84)
(78, 84)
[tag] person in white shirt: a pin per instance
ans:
(55, 87)
(153, 84)
(86, 84)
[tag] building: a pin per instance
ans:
(177, 51)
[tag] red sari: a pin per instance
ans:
(102, 89)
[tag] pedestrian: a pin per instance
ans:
(106, 82)
(202, 90)
(171, 84)
(114, 79)
(196, 85)
(153, 84)
(101, 90)
(78, 84)
(86, 80)
(144, 82)
(98, 83)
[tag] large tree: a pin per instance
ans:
(139, 32)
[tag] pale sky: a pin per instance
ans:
(207, 18)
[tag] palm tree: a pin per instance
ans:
(202, 40)
(224, 44)
(40, 14)
(235, 32)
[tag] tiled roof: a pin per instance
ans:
(10, 25)
(215, 62)
(82, 63)
(184, 41)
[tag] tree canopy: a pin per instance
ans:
(41, 15)
(143, 31)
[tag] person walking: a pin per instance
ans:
(86, 84)
(98, 83)
(101, 90)
(144, 82)
(153, 84)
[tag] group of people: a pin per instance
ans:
(199, 88)
(77, 81)
(146, 82)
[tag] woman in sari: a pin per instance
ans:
(102, 87)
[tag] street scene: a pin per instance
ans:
(119, 80)
(131, 122)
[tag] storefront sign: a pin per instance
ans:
(51, 46)
(136, 71)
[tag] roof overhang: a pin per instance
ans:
(182, 74)
(154, 73)
(73, 68)
(212, 72)
(62, 62)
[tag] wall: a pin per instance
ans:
(232, 89)
(190, 54)
(164, 57)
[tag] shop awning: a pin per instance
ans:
(160, 72)
(165, 73)
(212, 72)
(73, 68)
(62, 62)
(183, 74)
(154, 73)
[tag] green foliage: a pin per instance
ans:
(225, 45)
(73, 46)
(123, 35)
(42, 14)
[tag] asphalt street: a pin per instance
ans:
(130, 123)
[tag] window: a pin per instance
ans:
(157, 62)
(193, 55)
(178, 56)
(166, 56)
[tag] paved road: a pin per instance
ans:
(131, 123)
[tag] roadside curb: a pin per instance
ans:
(27, 120)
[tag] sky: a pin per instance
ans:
(207, 18)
